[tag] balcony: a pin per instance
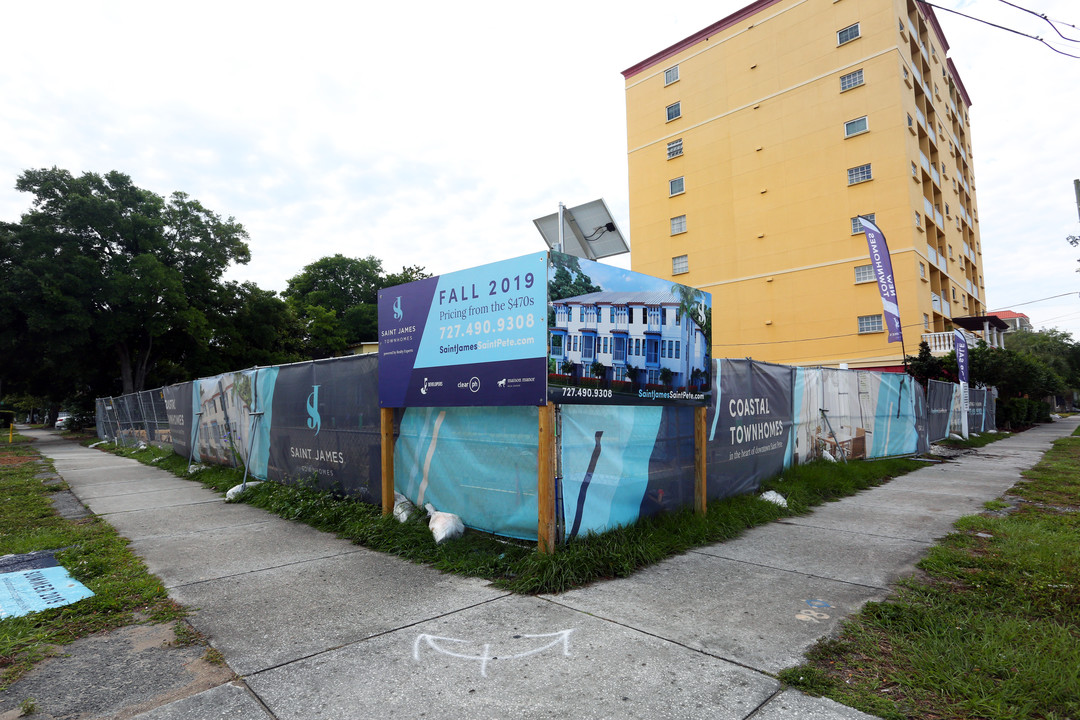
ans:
(942, 343)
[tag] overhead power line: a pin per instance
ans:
(1002, 27)
(1029, 302)
(1049, 22)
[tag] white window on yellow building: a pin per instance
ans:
(864, 273)
(679, 265)
(855, 127)
(859, 174)
(671, 75)
(856, 222)
(870, 324)
(678, 225)
(674, 148)
(674, 111)
(846, 35)
(851, 80)
(676, 186)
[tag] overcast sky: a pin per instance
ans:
(432, 133)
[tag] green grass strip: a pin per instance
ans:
(124, 591)
(992, 630)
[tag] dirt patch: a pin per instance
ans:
(11, 460)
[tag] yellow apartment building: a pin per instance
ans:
(756, 143)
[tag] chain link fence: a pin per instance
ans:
(136, 418)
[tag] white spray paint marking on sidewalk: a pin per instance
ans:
(432, 641)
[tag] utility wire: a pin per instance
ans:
(1060, 317)
(1049, 22)
(1001, 27)
(1029, 302)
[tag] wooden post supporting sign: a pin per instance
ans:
(545, 472)
(699, 460)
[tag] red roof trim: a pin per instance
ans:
(1009, 314)
(959, 82)
(736, 17)
(931, 19)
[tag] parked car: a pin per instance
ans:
(62, 420)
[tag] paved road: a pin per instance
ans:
(319, 628)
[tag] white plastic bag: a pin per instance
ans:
(444, 526)
(774, 497)
(403, 507)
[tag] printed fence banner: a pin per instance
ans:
(854, 414)
(618, 337)
(324, 426)
(883, 274)
(478, 463)
(939, 397)
(607, 455)
(178, 406)
(216, 440)
(749, 427)
(671, 466)
(476, 337)
(319, 422)
(979, 401)
(922, 424)
(981, 409)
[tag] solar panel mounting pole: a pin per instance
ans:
(562, 209)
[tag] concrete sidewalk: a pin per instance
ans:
(320, 628)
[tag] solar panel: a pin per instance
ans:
(589, 231)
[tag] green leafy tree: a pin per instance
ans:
(251, 326)
(691, 305)
(569, 279)
(325, 335)
(1054, 347)
(104, 278)
(925, 366)
(336, 300)
(337, 283)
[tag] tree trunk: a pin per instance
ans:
(143, 366)
(125, 369)
(133, 375)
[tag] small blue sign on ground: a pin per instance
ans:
(28, 591)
